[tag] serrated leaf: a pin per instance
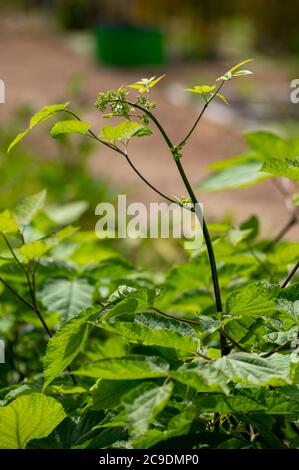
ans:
(237, 176)
(73, 126)
(126, 368)
(7, 223)
(150, 328)
(66, 344)
(202, 375)
(286, 168)
(250, 368)
(27, 209)
(124, 131)
(254, 300)
(143, 404)
(32, 416)
(68, 297)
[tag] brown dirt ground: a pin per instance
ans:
(36, 66)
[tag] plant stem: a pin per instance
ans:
(31, 286)
(183, 142)
(196, 204)
(289, 277)
(290, 223)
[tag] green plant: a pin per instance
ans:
(136, 361)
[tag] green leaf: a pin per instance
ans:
(252, 369)
(17, 139)
(70, 127)
(202, 375)
(267, 144)
(254, 300)
(68, 297)
(46, 112)
(134, 300)
(237, 176)
(66, 213)
(124, 131)
(231, 72)
(151, 328)
(27, 209)
(201, 89)
(66, 344)
(236, 235)
(286, 168)
(143, 404)
(145, 84)
(38, 248)
(7, 223)
(108, 393)
(126, 368)
(29, 417)
(235, 67)
(222, 97)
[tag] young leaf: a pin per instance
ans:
(17, 139)
(46, 112)
(32, 416)
(145, 84)
(124, 131)
(231, 72)
(126, 368)
(143, 404)
(201, 89)
(27, 209)
(70, 127)
(68, 297)
(66, 344)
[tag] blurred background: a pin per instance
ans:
(59, 50)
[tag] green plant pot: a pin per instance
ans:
(129, 46)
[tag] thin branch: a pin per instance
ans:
(291, 274)
(183, 142)
(201, 219)
(174, 317)
(22, 299)
(290, 223)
